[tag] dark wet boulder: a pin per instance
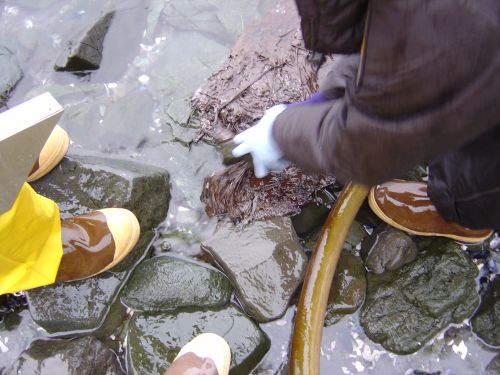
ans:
(493, 367)
(169, 282)
(313, 214)
(10, 74)
(155, 339)
(83, 49)
(388, 250)
(348, 288)
(83, 305)
(86, 355)
(264, 262)
(405, 308)
(486, 320)
(82, 183)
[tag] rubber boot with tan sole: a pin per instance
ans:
(95, 242)
(405, 205)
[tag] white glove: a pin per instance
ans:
(258, 141)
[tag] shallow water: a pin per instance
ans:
(156, 54)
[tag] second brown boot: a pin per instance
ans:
(95, 242)
(405, 205)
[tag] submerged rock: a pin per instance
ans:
(405, 308)
(486, 320)
(72, 357)
(10, 74)
(264, 262)
(84, 183)
(167, 282)
(388, 250)
(154, 340)
(348, 288)
(493, 367)
(84, 48)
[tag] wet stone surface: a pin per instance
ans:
(72, 357)
(264, 262)
(348, 288)
(167, 283)
(404, 309)
(84, 183)
(155, 340)
(493, 367)
(486, 320)
(388, 250)
(10, 73)
(84, 49)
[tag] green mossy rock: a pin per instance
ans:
(168, 282)
(405, 308)
(154, 340)
(486, 320)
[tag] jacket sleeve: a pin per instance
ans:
(332, 26)
(427, 83)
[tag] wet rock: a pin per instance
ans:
(86, 355)
(169, 282)
(84, 183)
(405, 308)
(81, 305)
(264, 262)
(388, 250)
(154, 340)
(493, 367)
(486, 320)
(354, 237)
(84, 48)
(10, 74)
(313, 215)
(348, 288)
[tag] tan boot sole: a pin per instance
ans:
(210, 345)
(375, 208)
(52, 153)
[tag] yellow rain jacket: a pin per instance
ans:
(30, 242)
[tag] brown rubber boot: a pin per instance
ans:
(95, 242)
(206, 354)
(52, 153)
(406, 206)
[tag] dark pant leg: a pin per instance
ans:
(464, 185)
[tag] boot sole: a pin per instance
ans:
(376, 209)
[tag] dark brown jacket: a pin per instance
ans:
(428, 83)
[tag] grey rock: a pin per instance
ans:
(169, 282)
(81, 305)
(348, 288)
(85, 355)
(388, 250)
(405, 308)
(154, 340)
(84, 183)
(493, 367)
(84, 48)
(264, 262)
(10, 74)
(486, 320)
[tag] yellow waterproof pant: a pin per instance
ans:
(30, 242)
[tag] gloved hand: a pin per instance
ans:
(258, 141)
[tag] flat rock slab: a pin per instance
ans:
(72, 357)
(10, 74)
(168, 282)
(486, 320)
(82, 305)
(264, 262)
(404, 309)
(84, 183)
(154, 340)
(84, 49)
